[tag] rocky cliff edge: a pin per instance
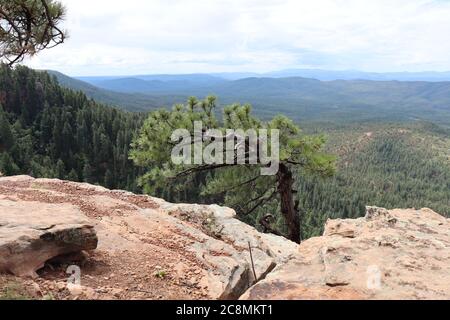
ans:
(118, 245)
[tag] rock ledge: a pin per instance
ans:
(388, 254)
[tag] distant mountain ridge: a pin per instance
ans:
(132, 102)
(153, 83)
(302, 99)
(319, 74)
(327, 75)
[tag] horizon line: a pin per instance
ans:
(253, 72)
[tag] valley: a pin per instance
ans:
(385, 163)
(207, 154)
(301, 99)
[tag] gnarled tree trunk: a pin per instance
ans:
(288, 207)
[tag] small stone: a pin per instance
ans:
(61, 286)
(75, 289)
(35, 290)
(116, 292)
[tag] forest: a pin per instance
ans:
(50, 131)
(389, 165)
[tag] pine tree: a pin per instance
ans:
(109, 179)
(88, 173)
(60, 169)
(6, 136)
(31, 27)
(240, 185)
(7, 165)
(72, 176)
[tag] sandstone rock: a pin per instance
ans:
(116, 292)
(61, 286)
(203, 249)
(389, 254)
(35, 290)
(81, 292)
(75, 289)
(228, 248)
(32, 233)
(202, 252)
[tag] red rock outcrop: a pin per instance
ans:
(147, 248)
(389, 254)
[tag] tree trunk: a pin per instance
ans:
(288, 208)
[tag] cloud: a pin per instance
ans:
(178, 36)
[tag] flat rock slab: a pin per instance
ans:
(31, 233)
(389, 254)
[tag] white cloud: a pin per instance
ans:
(179, 36)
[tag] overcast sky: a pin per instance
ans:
(112, 37)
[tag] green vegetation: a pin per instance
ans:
(161, 274)
(13, 291)
(135, 102)
(49, 131)
(237, 184)
(27, 27)
(301, 99)
(386, 165)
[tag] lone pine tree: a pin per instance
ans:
(240, 186)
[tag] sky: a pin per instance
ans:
(112, 37)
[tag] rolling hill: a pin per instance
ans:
(302, 99)
(319, 74)
(132, 102)
(154, 83)
(329, 75)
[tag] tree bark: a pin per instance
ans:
(288, 208)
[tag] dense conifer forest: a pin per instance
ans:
(49, 131)
(386, 165)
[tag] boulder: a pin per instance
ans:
(388, 254)
(32, 233)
